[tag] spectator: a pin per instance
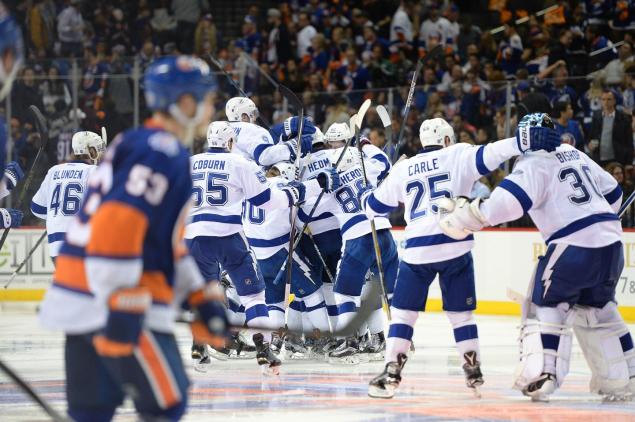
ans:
(251, 37)
(435, 26)
(54, 89)
(187, 14)
(510, 50)
(560, 49)
(616, 170)
(24, 94)
(70, 30)
(279, 42)
(613, 72)
(163, 23)
(558, 90)
(305, 35)
(611, 135)
(401, 26)
(565, 124)
(40, 25)
(205, 36)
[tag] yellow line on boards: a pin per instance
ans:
(22, 295)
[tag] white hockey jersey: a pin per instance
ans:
(221, 182)
(570, 198)
(344, 204)
(421, 180)
(59, 198)
(266, 230)
(255, 143)
(312, 165)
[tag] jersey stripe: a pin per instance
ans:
(118, 231)
(378, 206)
(613, 195)
(480, 162)
(519, 194)
(581, 224)
(157, 283)
(265, 243)
(38, 209)
(55, 237)
(229, 219)
(70, 272)
(261, 198)
(434, 239)
(350, 223)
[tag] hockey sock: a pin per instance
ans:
(346, 308)
(331, 307)
(376, 322)
(465, 332)
(257, 314)
(294, 316)
(315, 309)
(235, 313)
(276, 313)
(400, 333)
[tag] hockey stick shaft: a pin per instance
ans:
(404, 122)
(40, 123)
(319, 254)
(627, 203)
(24, 386)
(28, 257)
(231, 80)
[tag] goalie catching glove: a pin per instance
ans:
(462, 217)
(536, 132)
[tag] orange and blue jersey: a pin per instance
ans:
(129, 232)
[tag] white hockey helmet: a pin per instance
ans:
(349, 160)
(338, 132)
(318, 137)
(83, 141)
(286, 169)
(220, 134)
(237, 106)
(435, 131)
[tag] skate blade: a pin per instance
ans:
(348, 360)
(294, 355)
(242, 355)
(388, 392)
(477, 392)
(376, 357)
(364, 357)
(270, 370)
(202, 367)
(217, 355)
(617, 398)
(539, 397)
(320, 357)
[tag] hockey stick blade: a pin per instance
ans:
(383, 116)
(291, 97)
(361, 113)
(40, 123)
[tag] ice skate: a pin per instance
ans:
(540, 389)
(346, 353)
(375, 347)
(276, 342)
(240, 347)
(269, 363)
(204, 362)
(473, 374)
(384, 385)
(294, 347)
(198, 351)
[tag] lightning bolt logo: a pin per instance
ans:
(546, 276)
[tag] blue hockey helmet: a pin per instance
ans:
(10, 42)
(167, 79)
(537, 119)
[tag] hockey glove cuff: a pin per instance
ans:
(535, 138)
(295, 191)
(125, 322)
(10, 217)
(13, 174)
(329, 180)
(464, 218)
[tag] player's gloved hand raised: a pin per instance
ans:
(329, 180)
(306, 146)
(363, 141)
(13, 174)
(463, 217)
(10, 217)
(291, 127)
(125, 322)
(296, 192)
(210, 324)
(534, 133)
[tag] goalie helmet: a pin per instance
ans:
(436, 132)
(349, 159)
(536, 119)
(220, 134)
(83, 141)
(338, 132)
(237, 106)
(286, 169)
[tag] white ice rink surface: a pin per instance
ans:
(433, 388)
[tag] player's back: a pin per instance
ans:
(568, 197)
(419, 182)
(59, 198)
(250, 139)
(313, 164)
(219, 190)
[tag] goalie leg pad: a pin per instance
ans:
(607, 346)
(545, 345)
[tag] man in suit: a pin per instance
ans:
(611, 135)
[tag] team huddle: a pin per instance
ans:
(142, 232)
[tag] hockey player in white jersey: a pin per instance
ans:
(60, 195)
(256, 143)
(573, 203)
(268, 236)
(441, 169)
(214, 233)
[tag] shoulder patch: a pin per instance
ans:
(261, 176)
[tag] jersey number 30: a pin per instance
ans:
(582, 194)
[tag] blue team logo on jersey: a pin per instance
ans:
(261, 177)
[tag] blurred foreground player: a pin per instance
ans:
(124, 270)
(573, 202)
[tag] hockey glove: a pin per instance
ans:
(305, 146)
(463, 218)
(210, 325)
(535, 138)
(10, 217)
(125, 322)
(363, 194)
(329, 180)
(291, 126)
(363, 141)
(295, 191)
(13, 174)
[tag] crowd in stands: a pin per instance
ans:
(498, 60)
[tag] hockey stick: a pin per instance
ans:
(411, 92)
(319, 254)
(293, 214)
(387, 124)
(373, 229)
(24, 386)
(626, 204)
(231, 80)
(28, 257)
(362, 111)
(40, 123)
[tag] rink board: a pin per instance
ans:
(503, 258)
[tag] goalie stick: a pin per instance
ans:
(40, 124)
